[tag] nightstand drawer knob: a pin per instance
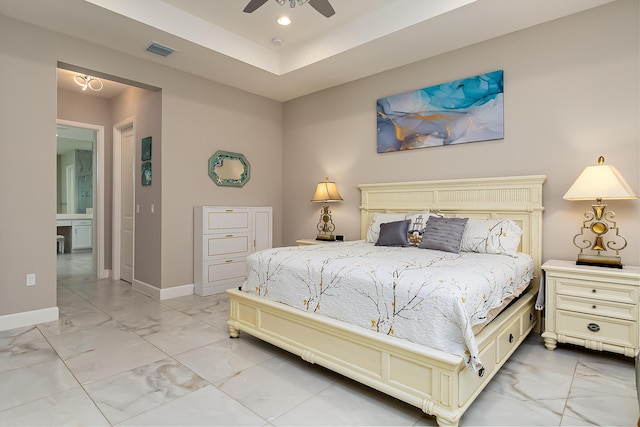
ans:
(594, 291)
(593, 327)
(510, 338)
(594, 307)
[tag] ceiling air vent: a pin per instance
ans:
(159, 49)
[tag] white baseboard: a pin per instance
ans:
(176, 291)
(28, 318)
(162, 294)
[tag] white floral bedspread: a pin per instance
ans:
(425, 296)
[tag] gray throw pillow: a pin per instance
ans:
(443, 234)
(394, 233)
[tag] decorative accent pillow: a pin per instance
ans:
(417, 226)
(492, 236)
(378, 218)
(443, 234)
(394, 233)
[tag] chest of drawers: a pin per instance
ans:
(223, 238)
(593, 307)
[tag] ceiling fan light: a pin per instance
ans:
(292, 3)
(284, 20)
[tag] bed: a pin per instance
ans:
(438, 382)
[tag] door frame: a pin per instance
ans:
(117, 198)
(98, 194)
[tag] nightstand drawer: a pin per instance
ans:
(597, 290)
(597, 307)
(611, 331)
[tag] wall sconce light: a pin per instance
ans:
(601, 182)
(93, 83)
(326, 191)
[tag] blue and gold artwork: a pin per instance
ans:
(466, 110)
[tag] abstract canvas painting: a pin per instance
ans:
(466, 110)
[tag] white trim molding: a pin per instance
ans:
(162, 294)
(99, 194)
(28, 318)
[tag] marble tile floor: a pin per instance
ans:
(116, 357)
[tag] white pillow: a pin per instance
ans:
(373, 232)
(491, 236)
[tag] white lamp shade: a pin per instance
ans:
(326, 191)
(600, 182)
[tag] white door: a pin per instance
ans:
(127, 184)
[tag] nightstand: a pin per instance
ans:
(593, 307)
(308, 242)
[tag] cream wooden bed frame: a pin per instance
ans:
(436, 382)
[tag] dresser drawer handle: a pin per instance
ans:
(229, 260)
(593, 327)
(594, 307)
(594, 291)
(510, 338)
(530, 317)
(481, 372)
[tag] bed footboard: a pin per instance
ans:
(436, 382)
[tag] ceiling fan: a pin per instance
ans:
(322, 6)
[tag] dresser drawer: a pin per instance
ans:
(603, 329)
(226, 270)
(226, 220)
(597, 307)
(597, 290)
(226, 245)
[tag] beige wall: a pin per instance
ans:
(199, 117)
(571, 94)
(145, 108)
(27, 173)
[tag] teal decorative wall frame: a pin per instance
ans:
(229, 169)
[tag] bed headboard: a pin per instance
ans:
(515, 197)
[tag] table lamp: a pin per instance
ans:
(600, 182)
(326, 191)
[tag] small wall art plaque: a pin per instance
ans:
(146, 173)
(146, 149)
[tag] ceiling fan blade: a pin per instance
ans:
(253, 5)
(322, 6)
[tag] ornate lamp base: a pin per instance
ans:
(599, 221)
(327, 237)
(599, 261)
